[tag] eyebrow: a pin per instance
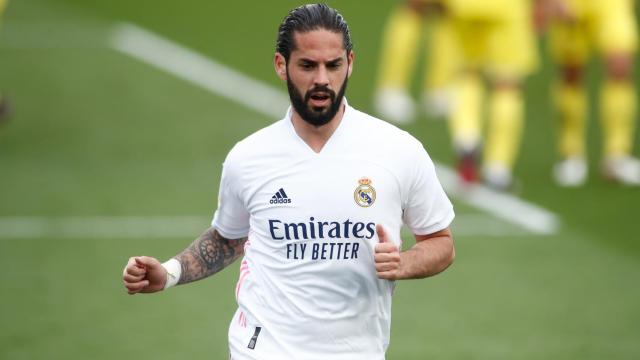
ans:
(330, 62)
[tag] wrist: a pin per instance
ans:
(412, 265)
(174, 270)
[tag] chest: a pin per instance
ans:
(329, 188)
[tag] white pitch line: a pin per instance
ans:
(186, 227)
(198, 69)
(263, 98)
(102, 227)
(502, 205)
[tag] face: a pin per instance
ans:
(316, 75)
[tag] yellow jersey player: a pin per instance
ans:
(498, 51)
(400, 51)
(578, 29)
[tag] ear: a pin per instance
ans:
(280, 65)
(350, 59)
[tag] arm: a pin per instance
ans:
(431, 255)
(207, 255)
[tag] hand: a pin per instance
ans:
(545, 11)
(387, 256)
(562, 11)
(144, 274)
(429, 7)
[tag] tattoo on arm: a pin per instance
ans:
(208, 254)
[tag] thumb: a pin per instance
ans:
(382, 235)
(144, 261)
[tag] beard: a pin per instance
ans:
(316, 116)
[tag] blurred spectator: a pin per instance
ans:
(401, 43)
(577, 28)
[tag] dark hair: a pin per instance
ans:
(307, 18)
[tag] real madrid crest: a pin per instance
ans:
(365, 194)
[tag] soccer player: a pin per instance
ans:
(314, 204)
(577, 28)
(498, 51)
(399, 53)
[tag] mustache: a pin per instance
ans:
(320, 89)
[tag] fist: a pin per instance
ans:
(144, 274)
(386, 257)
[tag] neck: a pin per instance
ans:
(316, 136)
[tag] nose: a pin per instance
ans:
(322, 76)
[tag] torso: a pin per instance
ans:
(310, 277)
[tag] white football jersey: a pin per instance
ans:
(308, 287)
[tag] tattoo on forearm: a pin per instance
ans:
(208, 254)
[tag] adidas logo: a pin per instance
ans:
(280, 198)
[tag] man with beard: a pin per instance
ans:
(314, 204)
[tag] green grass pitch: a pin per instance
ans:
(95, 133)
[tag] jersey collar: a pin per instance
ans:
(348, 110)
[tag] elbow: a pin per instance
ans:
(446, 258)
(452, 255)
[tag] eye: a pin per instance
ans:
(334, 65)
(306, 66)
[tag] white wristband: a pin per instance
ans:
(174, 270)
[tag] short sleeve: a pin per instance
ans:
(427, 208)
(231, 218)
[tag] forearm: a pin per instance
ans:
(427, 257)
(207, 255)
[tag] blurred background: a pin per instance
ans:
(117, 116)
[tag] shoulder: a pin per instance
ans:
(390, 147)
(261, 142)
(387, 135)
